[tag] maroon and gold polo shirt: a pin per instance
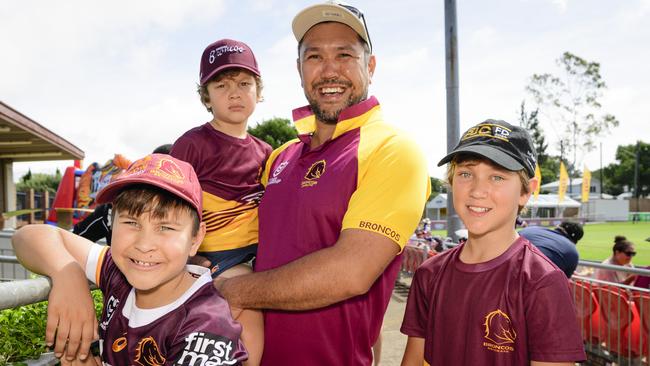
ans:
(369, 177)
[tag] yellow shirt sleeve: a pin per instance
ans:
(392, 188)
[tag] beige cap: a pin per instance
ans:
(330, 11)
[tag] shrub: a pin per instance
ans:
(22, 330)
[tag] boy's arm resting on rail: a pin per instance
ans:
(61, 256)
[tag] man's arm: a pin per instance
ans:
(327, 276)
(61, 256)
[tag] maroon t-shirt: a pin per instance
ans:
(508, 311)
(196, 329)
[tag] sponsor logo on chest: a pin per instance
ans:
(274, 179)
(206, 349)
(111, 306)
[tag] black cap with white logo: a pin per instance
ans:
(504, 144)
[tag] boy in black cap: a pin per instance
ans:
(496, 299)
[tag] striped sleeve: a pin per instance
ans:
(94, 262)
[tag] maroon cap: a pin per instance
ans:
(161, 170)
(224, 54)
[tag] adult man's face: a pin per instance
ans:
(334, 71)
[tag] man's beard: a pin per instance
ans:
(332, 118)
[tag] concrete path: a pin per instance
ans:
(394, 341)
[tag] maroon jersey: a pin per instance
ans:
(229, 171)
(195, 330)
(508, 311)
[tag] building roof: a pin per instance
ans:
(551, 200)
(23, 139)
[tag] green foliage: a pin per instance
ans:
(617, 176)
(549, 165)
(571, 102)
(39, 181)
(275, 131)
(437, 187)
(22, 330)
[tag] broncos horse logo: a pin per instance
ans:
(148, 353)
(498, 328)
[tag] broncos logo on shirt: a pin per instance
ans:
(148, 353)
(498, 328)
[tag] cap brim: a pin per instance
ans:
(489, 152)
(322, 13)
(112, 190)
(227, 66)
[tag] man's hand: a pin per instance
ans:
(71, 320)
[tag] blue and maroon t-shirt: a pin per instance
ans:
(368, 177)
(195, 330)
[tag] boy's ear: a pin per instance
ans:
(197, 239)
(532, 186)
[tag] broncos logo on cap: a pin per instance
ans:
(148, 353)
(168, 169)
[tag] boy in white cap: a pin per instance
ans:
(495, 299)
(157, 309)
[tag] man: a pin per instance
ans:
(340, 203)
(558, 244)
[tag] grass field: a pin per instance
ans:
(597, 243)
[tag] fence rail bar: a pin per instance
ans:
(641, 271)
(23, 292)
(9, 259)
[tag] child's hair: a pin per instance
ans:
(140, 198)
(469, 157)
(228, 73)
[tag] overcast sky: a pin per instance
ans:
(119, 76)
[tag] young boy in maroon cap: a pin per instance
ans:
(496, 299)
(157, 309)
(228, 162)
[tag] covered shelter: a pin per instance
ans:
(548, 205)
(22, 140)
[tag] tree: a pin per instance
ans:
(571, 103)
(275, 131)
(620, 176)
(549, 166)
(437, 187)
(39, 181)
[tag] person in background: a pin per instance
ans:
(622, 253)
(558, 244)
(97, 225)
